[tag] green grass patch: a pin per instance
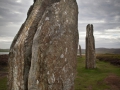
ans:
(93, 79)
(86, 79)
(3, 83)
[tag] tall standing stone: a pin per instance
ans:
(43, 53)
(80, 51)
(90, 47)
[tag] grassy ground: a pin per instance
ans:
(112, 58)
(104, 77)
(3, 83)
(3, 77)
(94, 79)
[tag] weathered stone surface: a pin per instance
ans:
(55, 48)
(43, 53)
(90, 47)
(80, 53)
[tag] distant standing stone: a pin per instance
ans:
(90, 47)
(80, 52)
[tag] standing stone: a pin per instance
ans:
(43, 53)
(90, 47)
(80, 53)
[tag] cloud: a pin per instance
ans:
(102, 10)
(6, 39)
(104, 36)
(19, 1)
(12, 11)
(103, 14)
(5, 42)
(91, 21)
(12, 14)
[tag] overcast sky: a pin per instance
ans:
(103, 14)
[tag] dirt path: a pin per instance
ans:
(113, 81)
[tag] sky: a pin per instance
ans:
(103, 14)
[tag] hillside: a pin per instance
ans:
(105, 50)
(4, 50)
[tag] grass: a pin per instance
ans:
(111, 58)
(93, 79)
(4, 50)
(86, 79)
(3, 83)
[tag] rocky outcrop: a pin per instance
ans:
(43, 53)
(90, 47)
